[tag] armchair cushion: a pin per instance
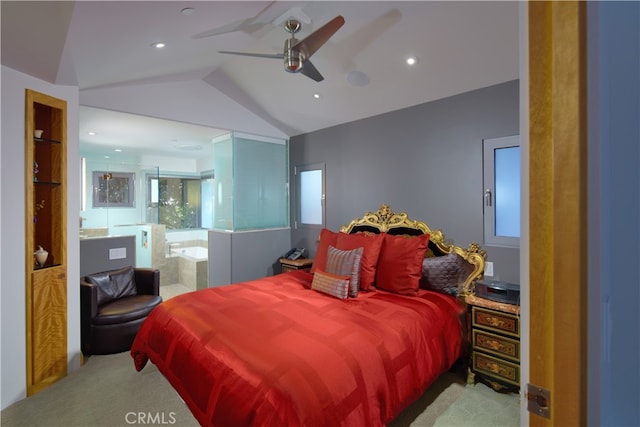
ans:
(115, 284)
(126, 309)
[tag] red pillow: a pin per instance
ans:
(327, 238)
(371, 244)
(400, 264)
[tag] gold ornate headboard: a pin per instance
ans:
(387, 221)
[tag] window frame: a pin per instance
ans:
(297, 170)
(125, 201)
(489, 146)
(157, 205)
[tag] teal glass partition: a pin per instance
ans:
(251, 182)
(223, 184)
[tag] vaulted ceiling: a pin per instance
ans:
(103, 45)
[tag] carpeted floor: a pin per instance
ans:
(107, 391)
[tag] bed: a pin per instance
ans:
(310, 348)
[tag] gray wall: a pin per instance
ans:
(94, 253)
(245, 255)
(425, 160)
(614, 213)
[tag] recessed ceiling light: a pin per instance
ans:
(158, 45)
(412, 60)
(187, 11)
(316, 95)
(91, 133)
(118, 150)
(106, 157)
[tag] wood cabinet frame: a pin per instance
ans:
(46, 226)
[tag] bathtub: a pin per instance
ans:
(197, 253)
(191, 264)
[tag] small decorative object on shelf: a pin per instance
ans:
(38, 133)
(41, 256)
(38, 207)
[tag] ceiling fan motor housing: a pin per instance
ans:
(293, 58)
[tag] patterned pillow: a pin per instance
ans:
(331, 284)
(346, 263)
(444, 273)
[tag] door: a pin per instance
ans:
(558, 209)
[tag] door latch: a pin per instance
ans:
(538, 400)
(487, 197)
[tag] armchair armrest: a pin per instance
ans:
(88, 299)
(147, 281)
(88, 308)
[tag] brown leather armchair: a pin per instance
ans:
(113, 305)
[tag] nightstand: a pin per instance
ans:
(295, 264)
(495, 338)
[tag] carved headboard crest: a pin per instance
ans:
(384, 220)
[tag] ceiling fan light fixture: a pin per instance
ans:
(293, 58)
(293, 65)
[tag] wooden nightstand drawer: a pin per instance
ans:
(496, 344)
(497, 321)
(497, 368)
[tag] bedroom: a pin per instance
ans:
(8, 292)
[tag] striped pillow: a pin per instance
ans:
(331, 284)
(346, 263)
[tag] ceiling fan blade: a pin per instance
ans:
(257, 55)
(310, 44)
(309, 70)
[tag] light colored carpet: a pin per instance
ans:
(480, 406)
(170, 291)
(107, 391)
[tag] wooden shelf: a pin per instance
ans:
(46, 195)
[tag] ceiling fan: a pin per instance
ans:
(297, 52)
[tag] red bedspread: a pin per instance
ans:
(274, 352)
